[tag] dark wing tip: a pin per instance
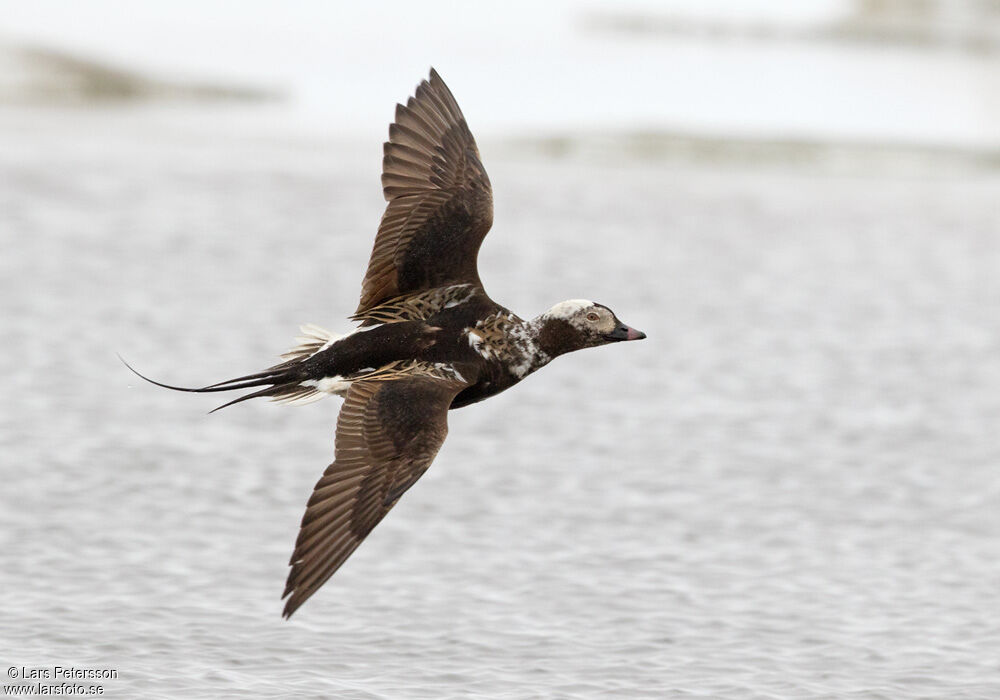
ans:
(291, 605)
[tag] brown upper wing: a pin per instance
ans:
(440, 200)
(388, 433)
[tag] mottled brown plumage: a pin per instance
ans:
(430, 339)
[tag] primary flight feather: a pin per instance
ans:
(429, 338)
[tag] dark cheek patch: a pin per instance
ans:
(557, 337)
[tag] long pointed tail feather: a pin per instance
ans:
(278, 383)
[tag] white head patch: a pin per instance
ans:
(567, 309)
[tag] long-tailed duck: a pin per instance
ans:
(429, 338)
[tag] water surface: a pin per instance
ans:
(790, 490)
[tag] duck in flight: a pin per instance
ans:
(428, 339)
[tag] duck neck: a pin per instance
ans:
(529, 355)
(554, 336)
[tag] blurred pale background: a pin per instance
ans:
(919, 71)
(791, 489)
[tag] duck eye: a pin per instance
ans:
(593, 316)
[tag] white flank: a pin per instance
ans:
(313, 390)
(330, 385)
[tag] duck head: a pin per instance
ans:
(579, 323)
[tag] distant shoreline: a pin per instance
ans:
(43, 76)
(910, 32)
(818, 153)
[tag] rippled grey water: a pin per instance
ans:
(790, 490)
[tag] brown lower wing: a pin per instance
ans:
(440, 200)
(388, 433)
